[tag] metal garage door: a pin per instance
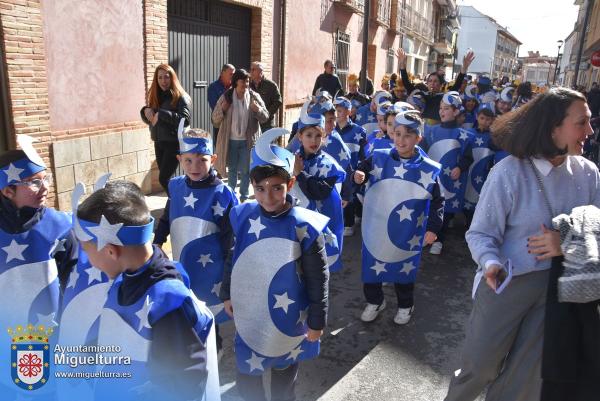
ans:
(204, 35)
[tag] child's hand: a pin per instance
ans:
(359, 177)
(313, 335)
(430, 238)
(455, 173)
(298, 164)
(228, 308)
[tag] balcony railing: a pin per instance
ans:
(382, 10)
(415, 23)
(357, 6)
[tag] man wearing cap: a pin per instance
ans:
(329, 81)
(434, 82)
(268, 91)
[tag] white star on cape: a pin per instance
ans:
(46, 320)
(324, 170)
(415, 241)
(357, 137)
(106, 233)
(13, 173)
(256, 227)
(447, 170)
(479, 141)
(399, 171)
(14, 251)
(301, 233)
(303, 315)
(294, 353)
(359, 117)
(421, 220)
(407, 268)
(405, 213)
(455, 203)
(218, 209)
(376, 172)
(283, 301)
(378, 268)
(468, 206)
(205, 259)
(457, 184)
(371, 118)
(216, 288)
(343, 155)
(93, 274)
(142, 314)
(73, 277)
(463, 135)
(371, 146)
(426, 178)
(255, 362)
(190, 200)
(59, 246)
(479, 179)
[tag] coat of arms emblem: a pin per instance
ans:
(30, 356)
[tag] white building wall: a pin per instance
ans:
(565, 59)
(478, 33)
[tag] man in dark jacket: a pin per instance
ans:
(593, 99)
(217, 88)
(268, 91)
(328, 81)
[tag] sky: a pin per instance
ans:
(539, 24)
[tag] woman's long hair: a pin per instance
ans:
(176, 89)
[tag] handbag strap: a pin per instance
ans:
(542, 188)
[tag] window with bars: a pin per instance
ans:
(342, 56)
(389, 61)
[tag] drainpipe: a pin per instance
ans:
(282, 40)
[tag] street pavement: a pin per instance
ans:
(381, 360)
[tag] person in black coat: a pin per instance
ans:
(167, 104)
(328, 81)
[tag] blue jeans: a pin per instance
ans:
(238, 161)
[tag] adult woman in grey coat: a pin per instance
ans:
(503, 344)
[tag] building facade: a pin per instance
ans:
(495, 47)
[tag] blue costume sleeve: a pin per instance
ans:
(436, 209)
(316, 188)
(316, 276)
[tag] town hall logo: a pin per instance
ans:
(30, 356)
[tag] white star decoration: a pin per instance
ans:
(457, 184)
(190, 200)
(415, 241)
(93, 274)
(426, 178)
(359, 117)
(463, 135)
(46, 320)
(73, 277)
(455, 203)
(59, 246)
(468, 206)
(324, 170)
(218, 209)
(357, 137)
(447, 170)
(371, 118)
(479, 179)
(378, 268)
(106, 233)
(303, 315)
(376, 172)
(255, 362)
(13, 173)
(205, 259)
(405, 213)
(421, 220)
(14, 251)
(216, 288)
(399, 171)
(301, 233)
(343, 155)
(479, 141)
(407, 268)
(294, 353)
(256, 227)
(371, 146)
(283, 301)
(142, 314)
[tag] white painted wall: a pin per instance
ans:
(478, 33)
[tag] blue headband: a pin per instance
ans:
(104, 233)
(452, 98)
(343, 102)
(31, 164)
(322, 107)
(402, 119)
(203, 146)
(265, 153)
(310, 119)
(487, 106)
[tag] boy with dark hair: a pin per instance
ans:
(276, 277)
(196, 217)
(150, 313)
(449, 145)
(37, 252)
(399, 182)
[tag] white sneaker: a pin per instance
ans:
(436, 248)
(371, 311)
(348, 231)
(403, 315)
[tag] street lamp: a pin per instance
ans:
(557, 68)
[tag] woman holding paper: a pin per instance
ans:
(544, 176)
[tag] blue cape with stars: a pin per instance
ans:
(483, 159)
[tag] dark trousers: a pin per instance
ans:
(404, 294)
(215, 134)
(166, 159)
(447, 219)
(283, 384)
(349, 214)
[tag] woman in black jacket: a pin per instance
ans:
(167, 104)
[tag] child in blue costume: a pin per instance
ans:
(470, 104)
(37, 254)
(366, 115)
(449, 145)
(318, 177)
(483, 158)
(195, 217)
(150, 313)
(399, 182)
(276, 277)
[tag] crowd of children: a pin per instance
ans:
(374, 162)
